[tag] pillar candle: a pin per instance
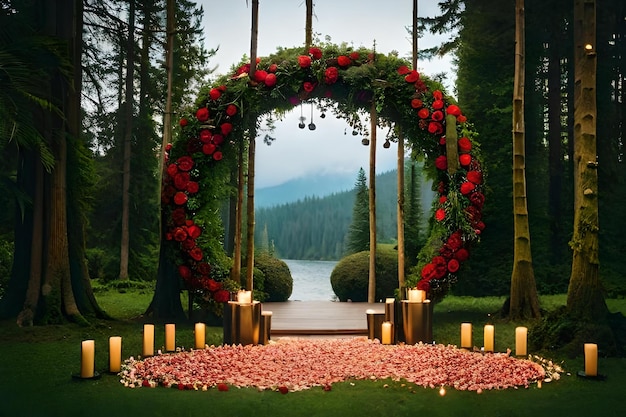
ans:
(413, 295)
(591, 359)
(466, 335)
(521, 335)
(170, 337)
(87, 358)
(200, 335)
(421, 296)
(115, 353)
(386, 333)
(244, 297)
(490, 332)
(148, 339)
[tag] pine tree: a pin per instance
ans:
(358, 238)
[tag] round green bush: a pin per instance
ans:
(350, 276)
(278, 283)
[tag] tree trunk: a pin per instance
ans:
(371, 287)
(128, 135)
(524, 302)
(309, 25)
(585, 300)
(400, 208)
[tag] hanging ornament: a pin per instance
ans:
(365, 141)
(387, 144)
(312, 125)
(301, 125)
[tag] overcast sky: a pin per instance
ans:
(296, 152)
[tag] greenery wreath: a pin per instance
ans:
(343, 81)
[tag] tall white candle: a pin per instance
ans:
(87, 358)
(148, 339)
(521, 336)
(490, 336)
(413, 295)
(421, 296)
(244, 297)
(591, 359)
(200, 335)
(466, 335)
(386, 333)
(170, 337)
(115, 353)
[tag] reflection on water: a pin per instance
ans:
(311, 280)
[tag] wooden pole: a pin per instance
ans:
(309, 25)
(400, 214)
(371, 288)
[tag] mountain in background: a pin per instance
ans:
(297, 223)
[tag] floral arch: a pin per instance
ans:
(343, 81)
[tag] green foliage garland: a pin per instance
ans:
(342, 81)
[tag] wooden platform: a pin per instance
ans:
(319, 317)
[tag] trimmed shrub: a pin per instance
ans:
(278, 283)
(350, 276)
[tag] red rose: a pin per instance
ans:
(438, 104)
(205, 136)
(222, 87)
(259, 75)
(172, 169)
(423, 113)
(440, 214)
(270, 80)
(184, 271)
(181, 180)
(304, 61)
(231, 109)
(218, 156)
(354, 55)
(168, 147)
(428, 271)
(443, 199)
(441, 266)
(183, 122)
(272, 68)
(202, 114)
(308, 86)
(196, 254)
(194, 231)
(475, 176)
(467, 187)
(442, 141)
(330, 75)
(437, 116)
(478, 199)
(403, 70)
(454, 110)
(218, 139)
(179, 216)
(455, 241)
(465, 159)
(343, 61)
(435, 128)
(416, 103)
(316, 53)
(424, 285)
(221, 296)
(180, 234)
(226, 128)
(185, 163)
(180, 198)
(465, 145)
(188, 244)
(453, 265)
(193, 187)
(208, 148)
(441, 162)
(215, 93)
(462, 255)
(204, 268)
(437, 95)
(412, 77)
(213, 285)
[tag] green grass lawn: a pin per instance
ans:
(37, 364)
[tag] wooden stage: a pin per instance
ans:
(320, 317)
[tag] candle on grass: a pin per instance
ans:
(115, 353)
(521, 335)
(466, 335)
(591, 359)
(87, 359)
(170, 337)
(490, 332)
(200, 335)
(386, 333)
(148, 340)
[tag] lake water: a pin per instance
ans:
(311, 280)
